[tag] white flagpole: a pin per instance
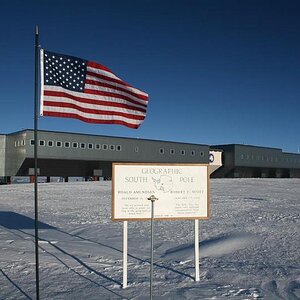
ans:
(125, 253)
(197, 271)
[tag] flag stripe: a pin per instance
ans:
(90, 80)
(98, 66)
(93, 68)
(90, 120)
(111, 96)
(117, 82)
(117, 86)
(51, 95)
(91, 110)
(67, 110)
(87, 96)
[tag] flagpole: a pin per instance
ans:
(36, 162)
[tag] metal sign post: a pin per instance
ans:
(152, 199)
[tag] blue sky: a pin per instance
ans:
(217, 72)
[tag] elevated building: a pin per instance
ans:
(62, 154)
(71, 154)
(253, 161)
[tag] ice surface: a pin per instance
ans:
(249, 247)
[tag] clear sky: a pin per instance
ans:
(216, 71)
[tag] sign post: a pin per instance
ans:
(197, 256)
(125, 253)
(152, 198)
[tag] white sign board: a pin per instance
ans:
(182, 191)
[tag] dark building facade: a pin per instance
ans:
(62, 154)
(70, 154)
(252, 161)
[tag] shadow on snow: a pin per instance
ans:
(13, 220)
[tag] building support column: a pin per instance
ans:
(279, 173)
(265, 173)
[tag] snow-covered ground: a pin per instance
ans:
(249, 247)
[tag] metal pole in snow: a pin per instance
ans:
(35, 163)
(125, 252)
(152, 199)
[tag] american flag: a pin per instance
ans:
(76, 88)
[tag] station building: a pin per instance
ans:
(80, 155)
(252, 161)
(64, 155)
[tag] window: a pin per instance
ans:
(32, 142)
(172, 151)
(67, 145)
(50, 144)
(82, 145)
(136, 149)
(23, 143)
(16, 143)
(105, 147)
(242, 156)
(75, 145)
(112, 147)
(58, 144)
(161, 150)
(182, 152)
(42, 143)
(119, 148)
(193, 152)
(98, 146)
(90, 146)
(201, 153)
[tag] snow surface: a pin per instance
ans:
(249, 247)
